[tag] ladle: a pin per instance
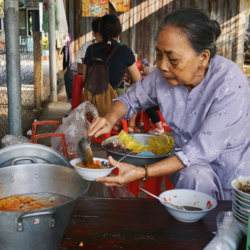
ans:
(188, 208)
(85, 152)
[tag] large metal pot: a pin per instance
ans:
(28, 151)
(134, 159)
(41, 229)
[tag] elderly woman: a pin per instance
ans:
(203, 97)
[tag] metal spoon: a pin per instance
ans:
(187, 208)
(85, 152)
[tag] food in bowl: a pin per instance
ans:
(157, 145)
(243, 183)
(95, 165)
(237, 185)
(31, 202)
(187, 197)
(91, 174)
(89, 162)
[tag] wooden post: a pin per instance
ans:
(38, 70)
(244, 7)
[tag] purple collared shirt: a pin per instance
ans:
(210, 124)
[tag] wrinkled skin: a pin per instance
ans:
(178, 61)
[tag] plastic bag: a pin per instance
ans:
(97, 189)
(161, 145)
(74, 127)
(228, 235)
(117, 142)
(131, 143)
(8, 140)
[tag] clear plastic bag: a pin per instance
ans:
(8, 140)
(228, 236)
(97, 189)
(74, 127)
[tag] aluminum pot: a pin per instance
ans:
(40, 229)
(134, 159)
(26, 152)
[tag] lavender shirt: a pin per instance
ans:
(210, 124)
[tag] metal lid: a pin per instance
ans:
(42, 154)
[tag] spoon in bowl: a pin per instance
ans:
(187, 208)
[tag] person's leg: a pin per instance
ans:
(155, 118)
(68, 81)
(198, 177)
(131, 125)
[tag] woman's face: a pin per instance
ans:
(177, 60)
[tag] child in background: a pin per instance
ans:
(147, 68)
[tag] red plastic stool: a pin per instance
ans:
(152, 185)
(169, 185)
(147, 122)
(78, 85)
(138, 118)
(35, 124)
(63, 141)
(138, 64)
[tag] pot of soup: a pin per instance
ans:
(36, 201)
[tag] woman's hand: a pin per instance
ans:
(127, 173)
(100, 126)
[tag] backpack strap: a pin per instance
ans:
(119, 84)
(112, 52)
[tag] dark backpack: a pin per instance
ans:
(98, 90)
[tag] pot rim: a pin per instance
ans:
(132, 156)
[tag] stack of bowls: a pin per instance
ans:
(241, 207)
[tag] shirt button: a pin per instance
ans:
(183, 120)
(185, 140)
(190, 99)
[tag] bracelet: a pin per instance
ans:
(146, 174)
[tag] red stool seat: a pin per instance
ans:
(138, 64)
(152, 185)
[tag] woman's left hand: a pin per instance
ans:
(127, 173)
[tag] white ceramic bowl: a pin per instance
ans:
(240, 209)
(242, 227)
(241, 198)
(241, 203)
(240, 212)
(92, 174)
(189, 198)
(239, 192)
(239, 217)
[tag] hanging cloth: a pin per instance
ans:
(67, 62)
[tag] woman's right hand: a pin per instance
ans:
(100, 126)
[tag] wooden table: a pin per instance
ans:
(103, 223)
